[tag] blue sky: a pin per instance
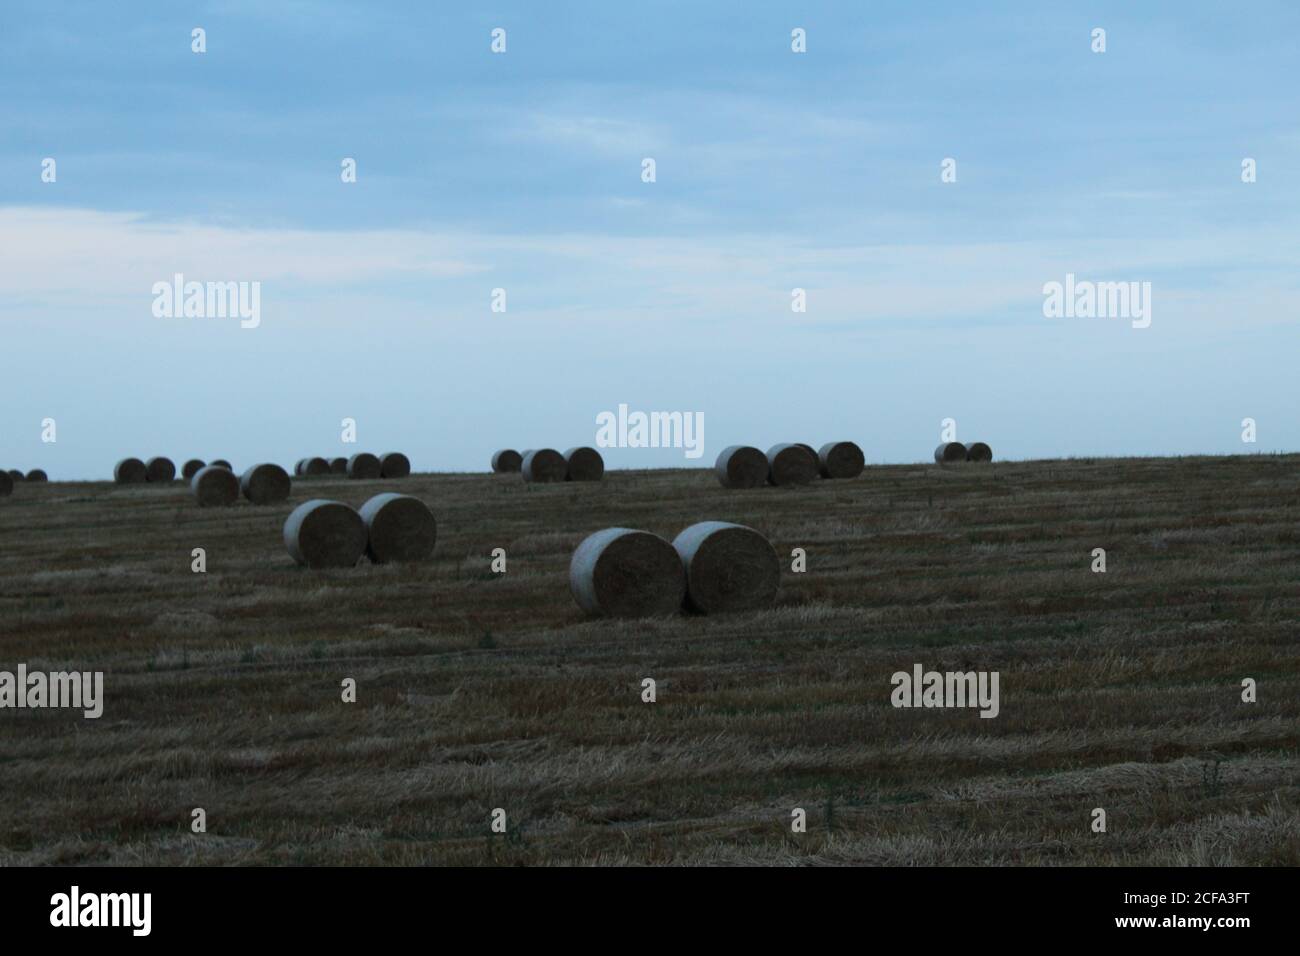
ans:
(522, 171)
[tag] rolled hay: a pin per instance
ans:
(841, 459)
(364, 466)
(315, 467)
(978, 451)
(620, 572)
(398, 528)
(130, 471)
(584, 464)
(791, 464)
(6, 484)
(338, 466)
(506, 460)
(222, 463)
(16, 475)
(265, 484)
(215, 486)
(394, 464)
(325, 534)
(741, 466)
(950, 451)
(297, 467)
(36, 474)
(809, 447)
(544, 465)
(729, 567)
(159, 470)
(191, 468)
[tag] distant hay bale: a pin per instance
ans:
(394, 464)
(36, 474)
(16, 475)
(297, 467)
(222, 463)
(507, 460)
(741, 466)
(265, 484)
(949, 452)
(364, 466)
(841, 459)
(215, 487)
(790, 464)
(620, 572)
(398, 528)
(6, 484)
(584, 464)
(315, 467)
(544, 465)
(325, 534)
(978, 451)
(158, 470)
(729, 567)
(130, 471)
(338, 466)
(191, 468)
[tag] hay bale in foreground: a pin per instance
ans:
(729, 567)
(841, 459)
(544, 465)
(790, 464)
(325, 534)
(37, 474)
(222, 463)
(6, 484)
(338, 466)
(949, 452)
(265, 484)
(978, 451)
(215, 487)
(130, 471)
(507, 460)
(584, 464)
(741, 466)
(364, 466)
(810, 448)
(158, 470)
(191, 468)
(394, 464)
(620, 572)
(398, 528)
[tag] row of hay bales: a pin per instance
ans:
(363, 466)
(711, 567)
(389, 528)
(792, 463)
(543, 465)
(158, 470)
(13, 476)
(950, 452)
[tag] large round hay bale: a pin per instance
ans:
(841, 459)
(398, 528)
(506, 460)
(791, 464)
(265, 484)
(130, 471)
(222, 463)
(325, 534)
(338, 466)
(978, 451)
(297, 467)
(159, 470)
(36, 474)
(950, 451)
(315, 467)
(16, 475)
(544, 465)
(728, 567)
(394, 464)
(584, 464)
(741, 466)
(215, 487)
(6, 484)
(191, 468)
(620, 572)
(810, 448)
(364, 466)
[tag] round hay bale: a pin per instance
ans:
(620, 572)
(791, 464)
(809, 447)
(36, 474)
(16, 475)
(325, 534)
(949, 452)
(297, 467)
(584, 464)
(338, 466)
(265, 484)
(398, 528)
(507, 459)
(191, 468)
(315, 467)
(978, 451)
(728, 567)
(364, 466)
(6, 484)
(544, 465)
(841, 459)
(215, 487)
(222, 463)
(130, 471)
(158, 470)
(741, 466)
(394, 464)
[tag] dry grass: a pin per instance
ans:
(479, 690)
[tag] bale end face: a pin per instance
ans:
(130, 471)
(507, 460)
(215, 487)
(543, 466)
(394, 464)
(741, 466)
(584, 464)
(978, 451)
(159, 470)
(265, 484)
(729, 567)
(840, 460)
(325, 534)
(364, 466)
(37, 474)
(398, 528)
(620, 572)
(6, 484)
(16, 475)
(338, 466)
(791, 464)
(222, 463)
(950, 452)
(315, 467)
(191, 468)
